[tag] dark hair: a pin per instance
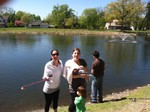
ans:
(52, 52)
(76, 49)
(75, 71)
(82, 91)
(96, 54)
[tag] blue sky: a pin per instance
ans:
(44, 7)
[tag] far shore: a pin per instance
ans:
(66, 31)
(56, 31)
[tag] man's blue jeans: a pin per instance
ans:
(96, 89)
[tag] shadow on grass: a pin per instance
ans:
(115, 100)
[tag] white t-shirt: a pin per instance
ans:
(69, 66)
(56, 73)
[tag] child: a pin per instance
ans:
(80, 101)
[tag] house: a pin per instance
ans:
(3, 21)
(114, 25)
(44, 25)
(38, 24)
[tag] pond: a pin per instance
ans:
(23, 57)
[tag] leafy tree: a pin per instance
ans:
(27, 18)
(11, 20)
(19, 14)
(101, 19)
(147, 17)
(69, 22)
(60, 14)
(109, 16)
(82, 22)
(5, 11)
(37, 17)
(137, 14)
(126, 11)
(34, 17)
(48, 19)
(92, 18)
(89, 18)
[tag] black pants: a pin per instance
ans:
(49, 98)
(72, 107)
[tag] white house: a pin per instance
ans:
(115, 25)
(38, 24)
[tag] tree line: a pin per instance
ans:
(134, 13)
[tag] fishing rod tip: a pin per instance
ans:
(22, 88)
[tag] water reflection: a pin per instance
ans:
(23, 57)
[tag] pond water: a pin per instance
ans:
(23, 57)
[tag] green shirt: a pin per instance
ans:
(80, 104)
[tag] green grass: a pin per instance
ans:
(63, 31)
(130, 31)
(141, 93)
(112, 106)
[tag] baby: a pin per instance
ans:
(76, 82)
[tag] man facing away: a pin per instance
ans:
(97, 71)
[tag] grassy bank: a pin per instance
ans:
(137, 100)
(54, 31)
(63, 31)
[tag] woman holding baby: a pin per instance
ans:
(81, 66)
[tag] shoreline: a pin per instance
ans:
(111, 98)
(60, 32)
(40, 31)
(68, 31)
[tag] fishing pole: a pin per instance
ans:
(36, 82)
(31, 84)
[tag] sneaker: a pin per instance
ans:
(100, 102)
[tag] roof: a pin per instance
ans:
(36, 23)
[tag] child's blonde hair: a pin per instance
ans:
(82, 91)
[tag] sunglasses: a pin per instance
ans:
(55, 54)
